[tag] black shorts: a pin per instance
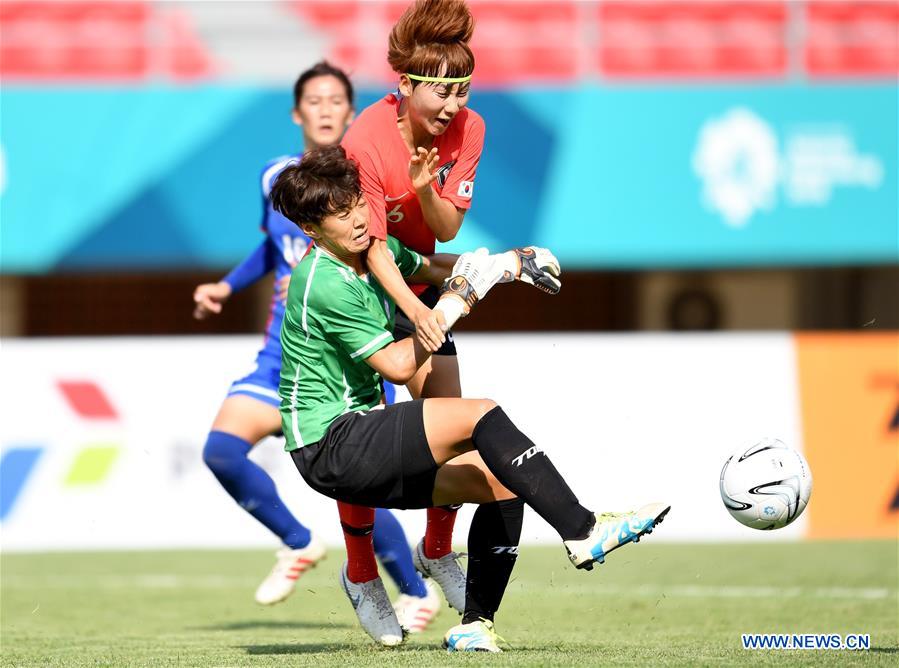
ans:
(404, 327)
(378, 458)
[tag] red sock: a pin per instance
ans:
(439, 532)
(358, 523)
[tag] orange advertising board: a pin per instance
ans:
(849, 390)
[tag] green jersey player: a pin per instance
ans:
(337, 345)
(336, 320)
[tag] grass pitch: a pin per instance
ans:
(651, 604)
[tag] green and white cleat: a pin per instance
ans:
(611, 531)
(478, 636)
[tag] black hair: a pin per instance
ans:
(321, 69)
(325, 182)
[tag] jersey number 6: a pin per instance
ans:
(395, 215)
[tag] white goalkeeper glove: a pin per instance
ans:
(534, 265)
(474, 274)
(470, 280)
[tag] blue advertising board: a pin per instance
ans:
(620, 176)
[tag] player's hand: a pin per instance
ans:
(539, 267)
(423, 168)
(472, 277)
(281, 287)
(428, 329)
(209, 299)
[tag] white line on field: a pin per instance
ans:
(171, 581)
(145, 581)
(742, 591)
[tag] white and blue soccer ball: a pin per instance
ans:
(766, 486)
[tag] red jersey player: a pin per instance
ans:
(417, 152)
(377, 144)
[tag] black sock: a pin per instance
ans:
(524, 469)
(492, 551)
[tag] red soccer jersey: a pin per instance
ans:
(374, 142)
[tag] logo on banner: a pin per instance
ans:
(92, 462)
(738, 158)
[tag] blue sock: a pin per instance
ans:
(252, 488)
(394, 554)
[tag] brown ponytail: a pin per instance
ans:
(431, 39)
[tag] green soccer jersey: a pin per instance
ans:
(335, 319)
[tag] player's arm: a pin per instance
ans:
(381, 263)
(444, 213)
(464, 284)
(434, 269)
(209, 298)
(417, 268)
(441, 215)
(399, 361)
(474, 274)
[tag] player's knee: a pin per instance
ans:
(482, 407)
(223, 451)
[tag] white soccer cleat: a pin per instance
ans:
(611, 531)
(478, 636)
(373, 609)
(290, 565)
(446, 572)
(415, 613)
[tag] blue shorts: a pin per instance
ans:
(262, 382)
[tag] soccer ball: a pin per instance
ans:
(767, 486)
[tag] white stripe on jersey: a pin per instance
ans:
(267, 175)
(308, 286)
(346, 394)
(368, 346)
(294, 421)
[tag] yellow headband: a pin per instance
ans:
(445, 80)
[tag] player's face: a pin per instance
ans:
(346, 233)
(324, 111)
(432, 107)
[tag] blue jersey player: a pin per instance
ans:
(323, 108)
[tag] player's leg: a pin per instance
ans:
(367, 533)
(419, 601)
(359, 577)
(395, 439)
(456, 426)
(439, 377)
(417, 605)
(249, 414)
(492, 547)
(392, 550)
(241, 423)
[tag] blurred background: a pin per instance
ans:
(718, 179)
(695, 165)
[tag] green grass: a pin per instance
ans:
(653, 604)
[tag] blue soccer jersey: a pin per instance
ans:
(284, 246)
(288, 242)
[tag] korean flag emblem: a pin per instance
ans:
(465, 189)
